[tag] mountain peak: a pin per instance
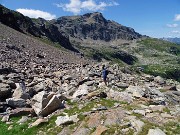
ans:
(96, 17)
(94, 14)
(94, 26)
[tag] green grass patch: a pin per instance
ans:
(16, 128)
(163, 90)
(168, 72)
(167, 110)
(108, 53)
(130, 107)
(172, 128)
(89, 106)
(160, 45)
(49, 128)
(146, 127)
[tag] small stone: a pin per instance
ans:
(10, 127)
(5, 118)
(125, 130)
(23, 119)
(142, 112)
(38, 122)
(63, 120)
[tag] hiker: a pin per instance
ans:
(104, 74)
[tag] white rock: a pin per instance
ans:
(137, 124)
(63, 120)
(142, 112)
(136, 91)
(20, 91)
(136, 94)
(44, 104)
(38, 122)
(156, 131)
(120, 96)
(23, 119)
(5, 118)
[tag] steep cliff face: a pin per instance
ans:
(36, 27)
(94, 26)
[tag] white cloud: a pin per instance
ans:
(172, 25)
(177, 17)
(77, 6)
(176, 32)
(36, 13)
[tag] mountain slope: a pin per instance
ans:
(94, 26)
(26, 25)
(20, 51)
(89, 26)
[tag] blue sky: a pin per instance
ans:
(155, 18)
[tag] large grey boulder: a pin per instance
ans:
(16, 103)
(82, 90)
(39, 101)
(136, 91)
(159, 80)
(54, 104)
(120, 96)
(173, 97)
(44, 104)
(154, 94)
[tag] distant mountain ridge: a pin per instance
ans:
(173, 40)
(94, 26)
(88, 26)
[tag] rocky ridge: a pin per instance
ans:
(67, 29)
(95, 27)
(26, 25)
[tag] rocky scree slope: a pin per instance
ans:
(90, 27)
(57, 92)
(21, 51)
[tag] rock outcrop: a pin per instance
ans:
(94, 26)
